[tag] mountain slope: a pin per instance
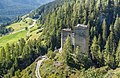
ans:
(104, 26)
(11, 8)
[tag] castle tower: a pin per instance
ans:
(64, 34)
(79, 37)
(82, 37)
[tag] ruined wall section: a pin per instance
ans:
(82, 37)
(64, 34)
(79, 37)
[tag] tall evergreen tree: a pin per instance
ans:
(118, 53)
(110, 58)
(117, 28)
(105, 31)
(67, 52)
(100, 42)
(95, 51)
(2, 54)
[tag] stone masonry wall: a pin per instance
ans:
(79, 37)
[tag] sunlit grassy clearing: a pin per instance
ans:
(20, 25)
(12, 38)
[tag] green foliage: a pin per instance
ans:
(18, 56)
(117, 29)
(94, 73)
(118, 53)
(28, 72)
(67, 49)
(51, 54)
(100, 15)
(66, 14)
(105, 31)
(110, 54)
(96, 53)
(67, 52)
(81, 59)
(11, 38)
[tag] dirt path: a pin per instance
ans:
(34, 21)
(30, 26)
(37, 72)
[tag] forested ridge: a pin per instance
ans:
(10, 9)
(103, 19)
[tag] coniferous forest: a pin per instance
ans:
(103, 20)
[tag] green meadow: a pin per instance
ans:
(11, 38)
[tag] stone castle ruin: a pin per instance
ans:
(79, 37)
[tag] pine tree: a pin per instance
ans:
(16, 51)
(7, 52)
(16, 62)
(78, 54)
(2, 54)
(98, 5)
(110, 11)
(107, 51)
(12, 51)
(81, 59)
(100, 41)
(95, 51)
(94, 48)
(92, 32)
(104, 33)
(95, 31)
(67, 52)
(110, 58)
(118, 53)
(21, 44)
(117, 28)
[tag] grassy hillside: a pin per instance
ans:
(25, 31)
(21, 25)
(11, 38)
(20, 32)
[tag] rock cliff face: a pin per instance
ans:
(79, 37)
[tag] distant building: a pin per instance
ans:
(79, 36)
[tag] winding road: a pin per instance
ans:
(39, 62)
(34, 21)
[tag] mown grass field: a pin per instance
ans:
(11, 38)
(21, 25)
(18, 26)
